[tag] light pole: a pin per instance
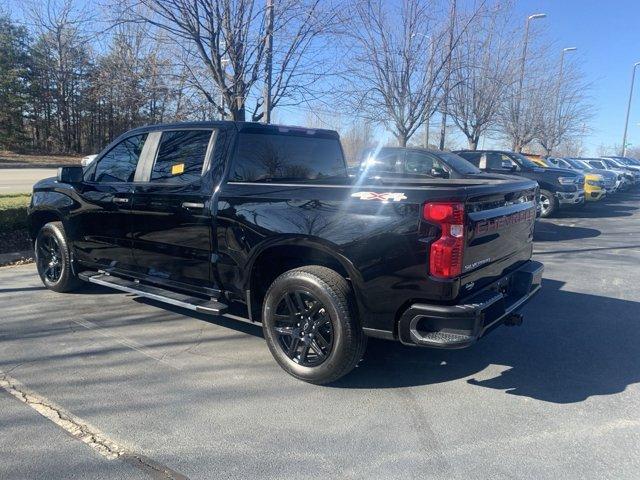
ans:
(522, 63)
(626, 121)
(556, 110)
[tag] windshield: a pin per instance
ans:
(524, 161)
(574, 163)
(583, 163)
(458, 163)
(627, 161)
(612, 163)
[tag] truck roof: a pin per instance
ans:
(240, 126)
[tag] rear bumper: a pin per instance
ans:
(458, 326)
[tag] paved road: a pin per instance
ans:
(555, 398)
(20, 180)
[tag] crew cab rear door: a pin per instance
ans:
(171, 210)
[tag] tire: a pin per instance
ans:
(328, 323)
(53, 259)
(548, 203)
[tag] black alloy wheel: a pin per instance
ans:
(303, 328)
(53, 259)
(50, 258)
(311, 326)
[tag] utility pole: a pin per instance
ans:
(268, 62)
(445, 100)
(626, 121)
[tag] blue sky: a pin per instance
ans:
(607, 34)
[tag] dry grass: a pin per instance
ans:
(10, 158)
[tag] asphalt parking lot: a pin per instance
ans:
(200, 397)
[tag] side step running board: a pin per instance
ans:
(155, 293)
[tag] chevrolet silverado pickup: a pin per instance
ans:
(262, 223)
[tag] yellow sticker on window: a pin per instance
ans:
(177, 169)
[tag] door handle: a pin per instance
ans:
(189, 205)
(120, 200)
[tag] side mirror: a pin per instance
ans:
(439, 173)
(70, 174)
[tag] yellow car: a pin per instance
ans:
(593, 183)
(593, 187)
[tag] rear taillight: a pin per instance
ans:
(445, 255)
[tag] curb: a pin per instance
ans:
(6, 166)
(8, 258)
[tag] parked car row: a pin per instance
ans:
(562, 181)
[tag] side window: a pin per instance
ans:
(385, 161)
(422, 163)
(181, 156)
(494, 161)
(472, 157)
(268, 156)
(119, 163)
(507, 162)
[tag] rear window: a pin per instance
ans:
(269, 156)
(181, 156)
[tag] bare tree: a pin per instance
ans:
(483, 70)
(399, 65)
(225, 43)
(565, 118)
(397, 72)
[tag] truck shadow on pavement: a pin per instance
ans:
(546, 231)
(572, 346)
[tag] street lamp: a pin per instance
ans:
(556, 110)
(535, 16)
(626, 122)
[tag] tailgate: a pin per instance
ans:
(499, 226)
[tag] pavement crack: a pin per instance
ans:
(81, 430)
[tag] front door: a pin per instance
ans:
(171, 212)
(100, 230)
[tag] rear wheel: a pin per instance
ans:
(310, 326)
(548, 203)
(53, 259)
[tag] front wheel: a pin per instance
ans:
(53, 259)
(310, 325)
(548, 203)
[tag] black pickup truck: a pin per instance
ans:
(263, 223)
(559, 187)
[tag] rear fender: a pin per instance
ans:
(317, 244)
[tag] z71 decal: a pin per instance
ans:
(383, 197)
